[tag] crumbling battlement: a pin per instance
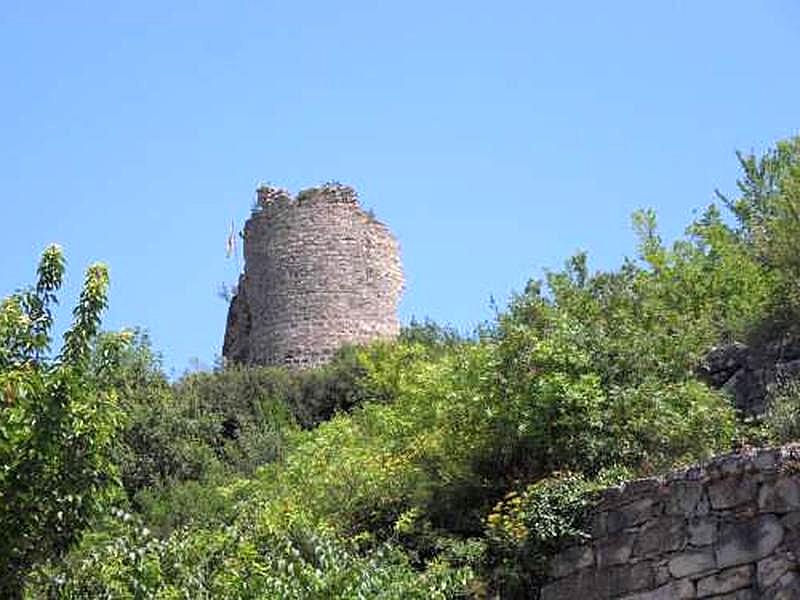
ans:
(319, 273)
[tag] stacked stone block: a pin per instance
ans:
(727, 530)
(320, 272)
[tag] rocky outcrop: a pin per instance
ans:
(319, 273)
(751, 373)
(729, 529)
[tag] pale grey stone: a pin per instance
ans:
(665, 534)
(743, 594)
(577, 585)
(748, 374)
(692, 562)
(725, 581)
(791, 521)
(598, 525)
(623, 579)
(766, 460)
(614, 550)
(772, 568)
(780, 496)
(676, 590)
(702, 531)
(741, 550)
(731, 491)
(748, 541)
(787, 588)
(683, 497)
(572, 559)
(703, 507)
(662, 575)
(647, 485)
(630, 514)
(731, 464)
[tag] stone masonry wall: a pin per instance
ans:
(319, 272)
(727, 530)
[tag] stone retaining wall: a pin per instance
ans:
(727, 530)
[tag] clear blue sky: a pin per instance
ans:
(495, 138)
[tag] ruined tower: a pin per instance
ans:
(319, 272)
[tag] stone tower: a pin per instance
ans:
(319, 273)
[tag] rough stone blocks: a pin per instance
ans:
(725, 530)
(319, 273)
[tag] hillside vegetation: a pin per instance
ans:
(436, 466)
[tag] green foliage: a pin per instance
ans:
(26, 317)
(246, 561)
(599, 371)
(768, 218)
(316, 395)
(353, 476)
(173, 505)
(181, 440)
(781, 424)
(432, 335)
(56, 426)
(131, 368)
(526, 528)
(238, 416)
(361, 471)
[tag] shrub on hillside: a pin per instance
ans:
(781, 424)
(597, 370)
(243, 561)
(236, 418)
(56, 424)
(527, 527)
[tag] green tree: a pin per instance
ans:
(768, 218)
(55, 426)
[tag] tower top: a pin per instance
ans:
(332, 192)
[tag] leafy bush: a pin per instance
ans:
(598, 371)
(241, 415)
(768, 224)
(781, 424)
(431, 335)
(526, 528)
(56, 425)
(208, 428)
(125, 561)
